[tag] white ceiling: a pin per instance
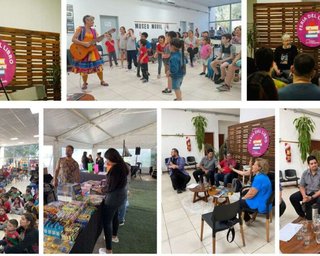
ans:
(226, 111)
(107, 127)
(209, 3)
(18, 123)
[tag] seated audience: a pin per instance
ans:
(301, 88)
(225, 170)
(29, 234)
(3, 219)
(6, 203)
(17, 206)
(261, 87)
(11, 236)
(283, 59)
(308, 193)
(257, 196)
(179, 177)
(206, 167)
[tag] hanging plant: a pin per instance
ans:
(199, 123)
(305, 127)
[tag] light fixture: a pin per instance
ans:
(13, 138)
(36, 136)
(21, 142)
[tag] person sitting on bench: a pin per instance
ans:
(206, 167)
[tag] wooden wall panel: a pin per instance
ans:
(238, 136)
(36, 52)
(274, 19)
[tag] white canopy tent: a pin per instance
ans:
(96, 130)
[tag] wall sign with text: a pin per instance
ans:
(308, 29)
(7, 63)
(258, 142)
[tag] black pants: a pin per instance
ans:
(132, 56)
(110, 220)
(246, 209)
(113, 56)
(282, 207)
(198, 175)
(179, 180)
(192, 52)
(144, 69)
(295, 200)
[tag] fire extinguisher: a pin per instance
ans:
(288, 152)
(188, 142)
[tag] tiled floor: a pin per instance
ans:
(290, 214)
(126, 86)
(181, 221)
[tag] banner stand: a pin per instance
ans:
(4, 89)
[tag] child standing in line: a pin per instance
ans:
(111, 50)
(143, 60)
(166, 57)
(11, 237)
(205, 53)
(177, 67)
(131, 49)
(144, 36)
(122, 44)
(160, 50)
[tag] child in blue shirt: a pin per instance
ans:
(177, 67)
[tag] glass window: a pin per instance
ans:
(48, 158)
(77, 154)
(236, 11)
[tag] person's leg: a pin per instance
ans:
(223, 68)
(174, 181)
(159, 64)
(243, 205)
(85, 81)
(108, 213)
(122, 212)
(295, 200)
(210, 176)
(110, 59)
(138, 69)
(198, 173)
(230, 74)
(190, 51)
(226, 179)
(100, 75)
(282, 207)
(121, 57)
(147, 71)
(115, 58)
(215, 69)
(144, 71)
(134, 57)
(115, 224)
(129, 59)
(186, 179)
(178, 94)
(218, 177)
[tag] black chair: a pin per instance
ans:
(291, 175)
(222, 218)
(268, 214)
(281, 177)
(191, 160)
(100, 50)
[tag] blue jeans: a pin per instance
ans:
(159, 63)
(221, 177)
(122, 210)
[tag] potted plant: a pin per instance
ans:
(305, 127)
(54, 80)
(252, 40)
(200, 123)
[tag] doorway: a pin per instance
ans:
(107, 23)
(209, 139)
(183, 26)
(191, 26)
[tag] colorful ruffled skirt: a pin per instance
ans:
(92, 63)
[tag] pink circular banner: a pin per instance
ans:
(258, 142)
(7, 63)
(308, 29)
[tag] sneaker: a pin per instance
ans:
(138, 75)
(145, 81)
(206, 75)
(121, 223)
(202, 73)
(142, 78)
(102, 251)
(299, 219)
(219, 81)
(158, 76)
(216, 78)
(179, 191)
(115, 239)
(191, 64)
(223, 88)
(167, 91)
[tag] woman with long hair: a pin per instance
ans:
(116, 193)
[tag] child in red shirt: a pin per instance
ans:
(6, 203)
(111, 50)
(144, 59)
(3, 219)
(11, 237)
(160, 52)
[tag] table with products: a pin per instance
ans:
(73, 226)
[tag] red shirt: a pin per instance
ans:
(110, 46)
(143, 51)
(4, 218)
(225, 165)
(160, 48)
(7, 206)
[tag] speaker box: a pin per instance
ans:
(138, 149)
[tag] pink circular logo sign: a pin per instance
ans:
(308, 29)
(7, 63)
(258, 142)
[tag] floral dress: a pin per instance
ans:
(69, 171)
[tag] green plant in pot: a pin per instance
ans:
(200, 123)
(305, 127)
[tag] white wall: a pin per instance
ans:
(179, 122)
(39, 15)
(288, 133)
(129, 11)
(247, 115)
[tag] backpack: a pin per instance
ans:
(236, 185)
